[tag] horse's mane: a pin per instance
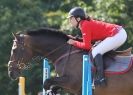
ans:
(47, 32)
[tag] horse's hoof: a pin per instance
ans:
(100, 82)
(47, 84)
(55, 89)
(51, 93)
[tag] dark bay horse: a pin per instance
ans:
(67, 61)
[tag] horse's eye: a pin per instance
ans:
(14, 46)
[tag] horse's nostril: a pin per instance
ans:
(14, 73)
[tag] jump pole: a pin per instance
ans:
(46, 72)
(86, 76)
(21, 85)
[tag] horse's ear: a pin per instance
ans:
(14, 35)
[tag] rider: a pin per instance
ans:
(112, 36)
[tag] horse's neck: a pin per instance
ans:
(51, 49)
(61, 50)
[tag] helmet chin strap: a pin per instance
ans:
(77, 23)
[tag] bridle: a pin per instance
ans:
(19, 63)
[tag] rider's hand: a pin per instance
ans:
(70, 41)
(71, 37)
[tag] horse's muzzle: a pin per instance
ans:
(13, 71)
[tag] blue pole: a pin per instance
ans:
(46, 72)
(86, 76)
(89, 77)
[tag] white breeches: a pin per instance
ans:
(110, 43)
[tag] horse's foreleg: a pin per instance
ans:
(58, 81)
(56, 89)
(63, 82)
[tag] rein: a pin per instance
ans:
(21, 65)
(65, 55)
(55, 50)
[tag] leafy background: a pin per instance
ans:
(18, 15)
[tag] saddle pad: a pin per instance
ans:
(118, 64)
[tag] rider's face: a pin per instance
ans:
(73, 21)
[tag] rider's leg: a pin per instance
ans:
(110, 43)
(100, 78)
(106, 45)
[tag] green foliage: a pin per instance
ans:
(18, 15)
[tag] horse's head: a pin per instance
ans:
(20, 55)
(44, 42)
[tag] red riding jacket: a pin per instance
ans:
(94, 30)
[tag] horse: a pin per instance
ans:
(67, 60)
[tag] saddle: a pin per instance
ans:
(126, 52)
(118, 62)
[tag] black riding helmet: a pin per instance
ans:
(77, 12)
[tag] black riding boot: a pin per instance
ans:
(100, 77)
